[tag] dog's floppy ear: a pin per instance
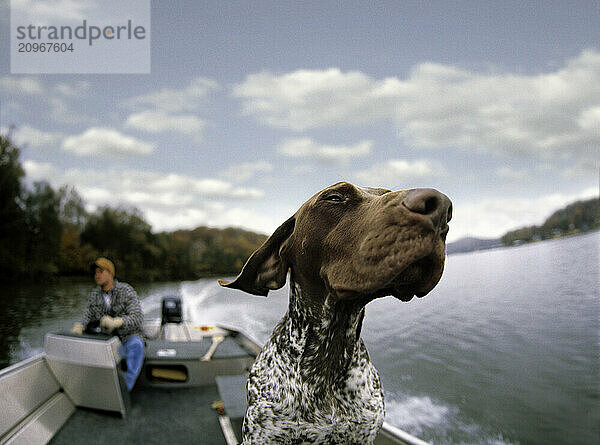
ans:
(265, 270)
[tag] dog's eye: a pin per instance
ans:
(333, 197)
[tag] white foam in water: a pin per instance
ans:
(498, 441)
(435, 422)
(200, 306)
(152, 299)
(193, 295)
(24, 351)
(205, 302)
(414, 414)
(151, 304)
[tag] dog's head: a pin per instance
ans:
(355, 242)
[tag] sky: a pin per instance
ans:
(250, 108)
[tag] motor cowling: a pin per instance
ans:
(172, 311)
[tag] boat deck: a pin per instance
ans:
(157, 416)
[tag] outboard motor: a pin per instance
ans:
(171, 310)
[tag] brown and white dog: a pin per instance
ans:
(314, 382)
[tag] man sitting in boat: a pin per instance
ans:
(116, 308)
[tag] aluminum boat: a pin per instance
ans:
(191, 389)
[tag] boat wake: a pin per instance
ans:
(205, 302)
(194, 295)
(415, 414)
(436, 422)
(23, 351)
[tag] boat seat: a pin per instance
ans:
(33, 406)
(87, 368)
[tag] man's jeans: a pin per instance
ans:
(132, 351)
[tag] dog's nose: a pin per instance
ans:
(431, 204)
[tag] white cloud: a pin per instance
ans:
(55, 98)
(399, 171)
(491, 218)
(63, 113)
(158, 122)
(78, 89)
(169, 100)
(38, 171)
(551, 115)
(106, 142)
(310, 99)
(172, 110)
(32, 137)
(168, 201)
(52, 10)
(234, 216)
(21, 85)
(512, 174)
(308, 148)
(244, 171)
(589, 119)
(207, 214)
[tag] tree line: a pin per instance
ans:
(46, 233)
(579, 217)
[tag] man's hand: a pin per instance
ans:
(77, 329)
(110, 323)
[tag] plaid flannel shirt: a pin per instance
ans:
(124, 303)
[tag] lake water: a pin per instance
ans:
(505, 350)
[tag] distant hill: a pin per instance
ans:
(579, 217)
(471, 244)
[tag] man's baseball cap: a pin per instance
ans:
(106, 264)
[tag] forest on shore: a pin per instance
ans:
(578, 217)
(48, 233)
